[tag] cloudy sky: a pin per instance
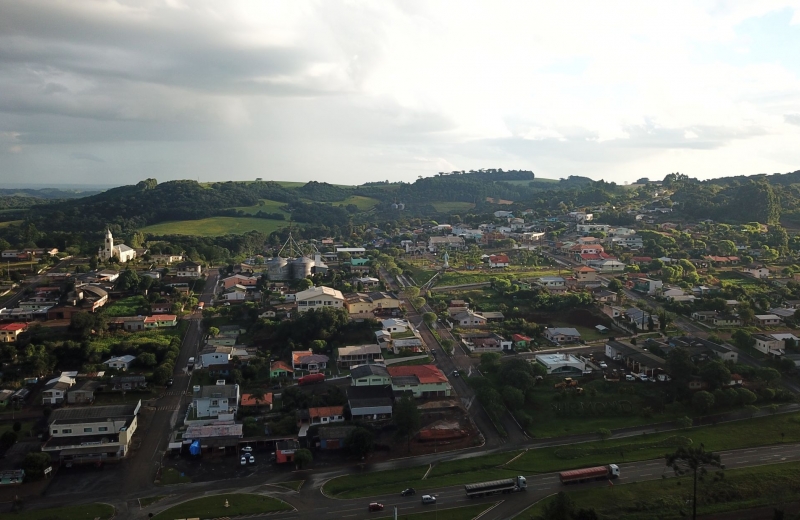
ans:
(111, 92)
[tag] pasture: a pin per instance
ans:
(216, 226)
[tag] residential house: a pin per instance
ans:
(468, 318)
(769, 344)
(612, 311)
(216, 355)
(641, 319)
(436, 244)
(767, 320)
(554, 284)
(280, 369)
(333, 437)
(499, 261)
(128, 382)
(251, 401)
(393, 325)
(215, 400)
(120, 362)
(586, 275)
(756, 271)
(647, 286)
(160, 321)
(10, 331)
(700, 348)
(521, 341)
(561, 335)
(369, 375)
(420, 381)
(83, 392)
(783, 313)
(285, 450)
(486, 342)
(704, 315)
(319, 298)
(321, 415)
(592, 228)
(91, 434)
(239, 279)
(370, 403)
(604, 296)
(189, 270)
(55, 391)
(307, 361)
(359, 355)
(726, 320)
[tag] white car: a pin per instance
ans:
(243, 461)
(629, 377)
(428, 499)
(251, 459)
(603, 364)
(247, 449)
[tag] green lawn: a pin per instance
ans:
(452, 207)
(144, 502)
(172, 476)
(454, 513)
(214, 506)
(216, 226)
(160, 336)
(665, 499)
(269, 206)
(85, 511)
(130, 306)
(10, 223)
(9, 426)
(742, 434)
(361, 202)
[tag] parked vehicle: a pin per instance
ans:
(247, 449)
(629, 377)
(603, 364)
(311, 379)
(643, 377)
(408, 492)
(664, 378)
(375, 506)
(428, 499)
(609, 471)
(492, 487)
(251, 459)
(243, 461)
(170, 382)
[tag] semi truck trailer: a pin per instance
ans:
(508, 485)
(586, 474)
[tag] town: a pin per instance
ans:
(406, 355)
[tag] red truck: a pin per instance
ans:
(586, 474)
(311, 378)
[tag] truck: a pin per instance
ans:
(492, 487)
(310, 379)
(575, 476)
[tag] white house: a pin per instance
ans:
(561, 335)
(767, 320)
(395, 325)
(561, 364)
(189, 270)
(769, 344)
(756, 271)
(120, 363)
(215, 400)
(216, 355)
(468, 318)
(319, 298)
(499, 261)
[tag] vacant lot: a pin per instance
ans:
(131, 306)
(657, 499)
(362, 203)
(216, 226)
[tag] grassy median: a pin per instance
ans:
(741, 434)
(214, 506)
(82, 512)
(733, 490)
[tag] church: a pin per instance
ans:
(122, 252)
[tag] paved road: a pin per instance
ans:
(311, 503)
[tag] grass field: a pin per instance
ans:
(664, 499)
(361, 202)
(466, 277)
(742, 434)
(452, 207)
(10, 223)
(736, 278)
(269, 206)
(216, 226)
(131, 306)
(82, 512)
(454, 513)
(214, 507)
(159, 336)
(171, 476)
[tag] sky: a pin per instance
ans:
(347, 92)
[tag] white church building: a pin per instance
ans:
(120, 251)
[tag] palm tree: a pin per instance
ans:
(694, 460)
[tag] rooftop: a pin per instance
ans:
(93, 413)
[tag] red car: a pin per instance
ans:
(374, 506)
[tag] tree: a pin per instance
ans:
(302, 458)
(147, 359)
(304, 284)
(359, 442)
(490, 361)
(746, 397)
(410, 292)
(7, 440)
(34, 464)
(162, 373)
(406, 417)
(429, 318)
(447, 345)
(726, 247)
(604, 433)
(692, 460)
(680, 366)
(17, 427)
(513, 397)
(716, 374)
(702, 401)
(742, 339)
(213, 332)
(768, 375)
(684, 423)
(418, 302)
(615, 285)
(128, 280)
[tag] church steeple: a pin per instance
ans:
(108, 250)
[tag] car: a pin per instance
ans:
(170, 382)
(603, 364)
(408, 492)
(428, 499)
(456, 373)
(251, 459)
(643, 377)
(375, 506)
(243, 461)
(629, 377)
(247, 449)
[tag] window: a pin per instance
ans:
(102, 428)
(87, 430)
(214, 402)
(67, 430)
(55, 432)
